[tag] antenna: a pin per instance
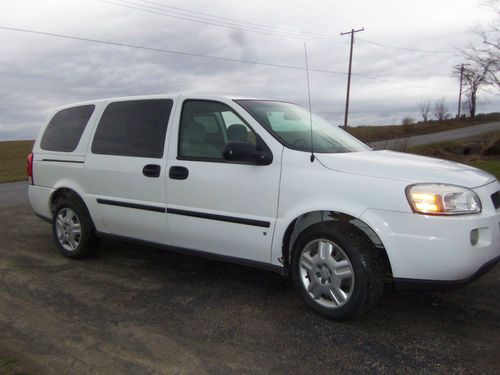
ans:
(309, 102)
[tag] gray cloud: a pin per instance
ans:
(39, 73)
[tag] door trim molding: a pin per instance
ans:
(229, 219)
(64, 161)
(131, 205)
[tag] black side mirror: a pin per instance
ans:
(245, 152)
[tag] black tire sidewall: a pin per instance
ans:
(350, 242)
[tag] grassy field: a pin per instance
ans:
(491, 166)
(380, 133)
(13, 160)
(481, 151)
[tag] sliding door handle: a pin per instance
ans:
(178, 173)
(151, 170)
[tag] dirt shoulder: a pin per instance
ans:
(138, 310)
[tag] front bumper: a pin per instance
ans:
(435, 252)
(402, 284)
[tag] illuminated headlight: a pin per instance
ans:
(442, 199)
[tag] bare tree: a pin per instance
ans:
(441, 110)
(482, 60)
(408, 124)
(474, 76)
(408, 121)
(424, 107)
(487, 55)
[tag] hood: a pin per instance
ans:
(405, 167)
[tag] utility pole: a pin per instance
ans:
(460, 91)
(349, 74)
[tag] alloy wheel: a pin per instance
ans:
(326, 273)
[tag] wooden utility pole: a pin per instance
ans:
(349, 74)
(460, 91)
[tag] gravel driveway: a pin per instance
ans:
(138, 310)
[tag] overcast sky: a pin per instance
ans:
(40, 72)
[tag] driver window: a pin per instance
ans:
(205, 128)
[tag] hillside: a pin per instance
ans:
(13, 160)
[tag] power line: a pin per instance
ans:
(224, 24)
(299, 4)
(219, 58)
(285, 29)
(205, 18)
(400, 83)
(320, 12)
(405, 48)
(154, 49)
(283, 11)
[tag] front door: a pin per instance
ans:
(213, 205)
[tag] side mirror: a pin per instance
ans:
(245, 152)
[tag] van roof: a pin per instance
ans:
(188, 94)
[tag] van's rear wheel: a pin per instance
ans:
(72, 229)
(336, 270)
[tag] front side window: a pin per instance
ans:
(291, 125)
(133, 128)
(205, 128)
(66, 128)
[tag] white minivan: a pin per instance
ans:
(263, 183)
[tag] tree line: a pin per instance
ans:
(479, 71)
(481, 60)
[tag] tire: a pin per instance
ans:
(73, 229)
(336, 270)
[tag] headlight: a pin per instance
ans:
(442, 199)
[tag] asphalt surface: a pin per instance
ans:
(14, 193)
(137, 310)
(445, 136)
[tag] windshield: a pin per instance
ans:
(291, 125)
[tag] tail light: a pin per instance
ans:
(29, 168)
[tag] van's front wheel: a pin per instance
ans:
(336, 270)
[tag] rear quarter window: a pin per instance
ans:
(66, 128)
(133, 128)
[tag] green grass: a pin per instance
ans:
(491, 166)
(475, 143)
(454, 150)
(13, 160)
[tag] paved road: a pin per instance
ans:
(448, 135)
(13, 193)
(137, 310)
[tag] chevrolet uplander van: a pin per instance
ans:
(254, 182)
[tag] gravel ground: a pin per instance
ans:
(133, 309)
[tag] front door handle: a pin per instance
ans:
(178, 173)
(151, 170)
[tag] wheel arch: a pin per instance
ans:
(71, 194)
(306, 220)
